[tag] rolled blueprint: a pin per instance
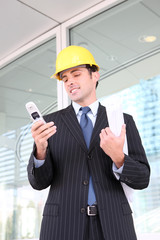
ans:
(116, 120)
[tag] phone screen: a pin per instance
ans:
(35, 115)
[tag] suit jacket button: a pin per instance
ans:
(85, 182)
(83, 210)
(89, 157)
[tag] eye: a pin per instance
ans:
(65, 80)
(76, 74)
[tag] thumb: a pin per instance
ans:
(123, 131)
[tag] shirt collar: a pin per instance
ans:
(94, 107)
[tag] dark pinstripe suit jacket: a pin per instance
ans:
(67, 167)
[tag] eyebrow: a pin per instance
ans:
(72, 71)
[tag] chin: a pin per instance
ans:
(75, 99)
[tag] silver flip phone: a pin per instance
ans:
(34, 112)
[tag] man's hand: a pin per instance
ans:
(112, 145)
(41, 132)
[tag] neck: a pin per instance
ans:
(87, 102)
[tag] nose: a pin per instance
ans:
(70, 81)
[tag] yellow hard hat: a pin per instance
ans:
(73, 56)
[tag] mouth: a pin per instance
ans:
(73, 90)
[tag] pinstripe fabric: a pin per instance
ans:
(93, 229)
(69, 163)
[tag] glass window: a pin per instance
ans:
(124, 41)
(25, 79)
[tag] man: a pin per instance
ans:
(86, 200)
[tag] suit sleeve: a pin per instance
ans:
(136, 170)
(40, 178)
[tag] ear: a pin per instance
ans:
(96, 76)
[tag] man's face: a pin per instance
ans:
(80, 85)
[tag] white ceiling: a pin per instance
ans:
(21, 21)
(117, 43)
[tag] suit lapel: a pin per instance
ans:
(101, 122)
(70, 119)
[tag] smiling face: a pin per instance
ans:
(80, 85)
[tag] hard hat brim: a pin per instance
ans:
(58, 75)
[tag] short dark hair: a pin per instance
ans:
(91, 69)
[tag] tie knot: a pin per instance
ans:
(85, 110)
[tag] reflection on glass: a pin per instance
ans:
(26, 79)
(113, 36)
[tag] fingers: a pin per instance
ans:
(103, 133)
(43, 131)
(107, 132)
(40, 126)
(112, 145)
